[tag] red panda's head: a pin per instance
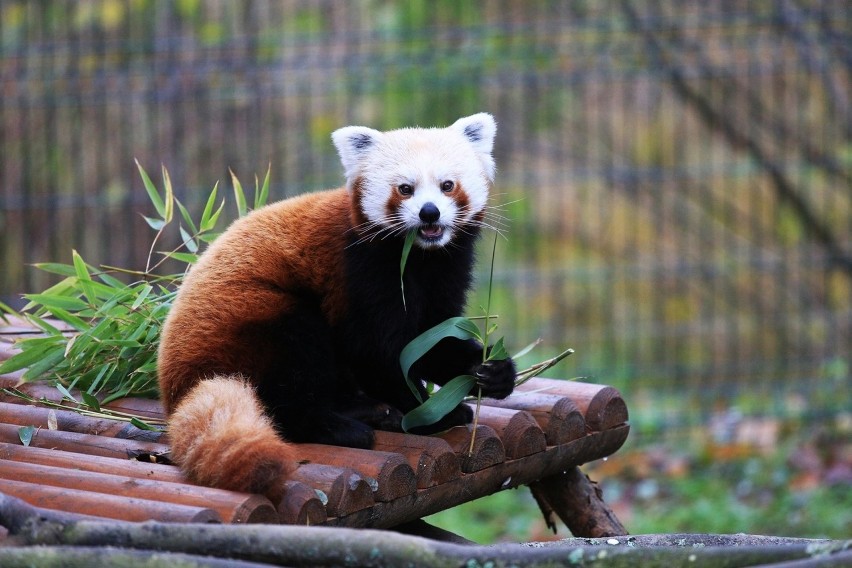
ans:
(430, 180)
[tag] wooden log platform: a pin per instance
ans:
(99, 467)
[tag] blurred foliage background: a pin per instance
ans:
(677, 178)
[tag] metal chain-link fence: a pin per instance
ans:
(676, 176)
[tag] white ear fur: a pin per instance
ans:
(353, 143)
(479, 129)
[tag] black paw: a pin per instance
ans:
(378, 415)
(459, 416)
(496, 378)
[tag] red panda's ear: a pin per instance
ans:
(479, 129)
(353, 143)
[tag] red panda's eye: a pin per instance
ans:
(405, 189)
(447, 186)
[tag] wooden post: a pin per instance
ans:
(578, 501)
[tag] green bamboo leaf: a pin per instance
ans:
(83, 277)
(32, 351)
(64, 287)
(25, 434)
(141, 297)
(261, 196)
(110, 280)
(140, 424)
(188, 240)
(453, 327)
(469, 326)
(498, 351)
(153, 194)
(41, 367)
(66, 394)
(527, 349)
(210, 237)
(70, 319)
(120, 343)
(155, 224)
(49, 301)
(406, 249)
(56, 268)
(186, 217)
(186, 257)
(439, 404)
(104, 371)
(170, 197)
(239, 195)
(91, 401)
(208, 217)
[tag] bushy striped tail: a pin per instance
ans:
(221, 437)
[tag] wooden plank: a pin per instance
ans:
(24, 414)
(487, 447)
(84, 443)
(517, 429)
(432, 458)
(557, 415)
(106, 506)
(506, 475)
(230, 506)
(346, 491)
(602, 406)
(301, 505)
(389, 472)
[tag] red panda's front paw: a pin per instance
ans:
(496, 378)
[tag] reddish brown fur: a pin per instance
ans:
(244, 279)
(359, 220)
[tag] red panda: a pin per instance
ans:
(289, 327)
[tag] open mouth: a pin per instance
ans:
(431, 233)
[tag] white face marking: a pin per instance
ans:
(419, 161)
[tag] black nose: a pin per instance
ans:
(429, 213)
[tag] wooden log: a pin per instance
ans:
(602, 406)
(85, 443)
(432, 459)
(506, 475)
(70, 421)
(517, 429)
(487, 448)
(345, 490)
(36, 390)
(231, 506)
(556, 415)
(106, 506)
(117, 466)
(389, 472)
(578, 501)
(143, 408)
(301, 505)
